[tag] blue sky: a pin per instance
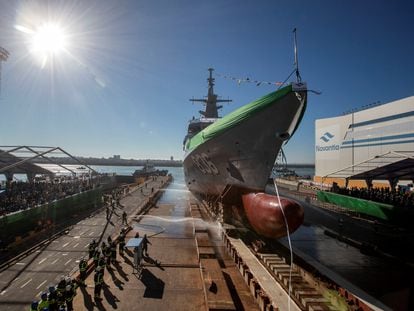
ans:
(123, 85)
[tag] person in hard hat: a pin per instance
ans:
(96, 256)
(107, 255)
(83, 265)
(70, 293)
(102, 263)
(91, 249)
(44, 302)
(61, 286)
(34, 305)
(98, 279)
(52, 298)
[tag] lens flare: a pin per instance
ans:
(45, 42)
(49, 39)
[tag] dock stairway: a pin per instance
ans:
(303, 293)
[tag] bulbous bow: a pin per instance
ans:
(265, 215)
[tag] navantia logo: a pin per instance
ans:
(327, 137)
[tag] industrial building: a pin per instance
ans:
(370, 146)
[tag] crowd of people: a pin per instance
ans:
(103, 255)
(59, 297)
(400, 197)
(19, 195)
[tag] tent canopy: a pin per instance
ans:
(393, 165)
(25, 160)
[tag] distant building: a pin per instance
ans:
(346, 142)
(116, 157)
(172, 158)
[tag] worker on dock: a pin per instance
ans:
(104, 247)
(91, 249)
(61, 286)
(52, 299)
(113, 252)
(107, 255)
(96, 256)
(83, 265)
(69, 295)
(145, 243)
(44, 302)
(121, 241)
(107, 212)
(98, 279)
(102, 262)
(124, 218)
(34, 306)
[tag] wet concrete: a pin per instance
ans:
(174, 275)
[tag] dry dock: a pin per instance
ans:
(192, 264)
(187, 267)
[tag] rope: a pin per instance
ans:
(290, 244)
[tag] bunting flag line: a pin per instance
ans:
(248, 80)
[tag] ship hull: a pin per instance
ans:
(242, 156)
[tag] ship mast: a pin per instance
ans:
(298, 77)
(211, 101)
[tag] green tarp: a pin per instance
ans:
(375, 209)
(236, 117)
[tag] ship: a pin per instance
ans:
(149, 170)
(229, 159)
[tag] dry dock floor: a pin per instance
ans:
(186, 267)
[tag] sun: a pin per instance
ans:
(46, 41)
(49, 39)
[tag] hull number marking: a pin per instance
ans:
(204, 164)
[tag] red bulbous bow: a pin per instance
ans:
(265, 215)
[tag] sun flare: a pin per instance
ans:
(49, 39)
(46, 41)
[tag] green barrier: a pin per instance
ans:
(20, 224)
(375, 209)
